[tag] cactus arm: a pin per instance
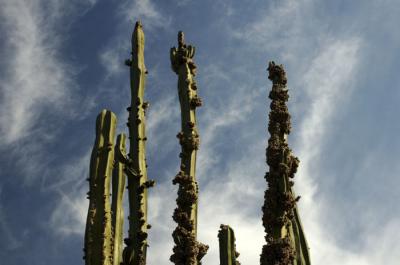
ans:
(286, 243)
(98, 234)
(187, 249)
(227, 248)
(302, 250)
(136, 243)
(118, 187)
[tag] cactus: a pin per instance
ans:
(135, 164)
(286, 244)
(187, 249)
(227, 248)
(98, 236)
(118, 186)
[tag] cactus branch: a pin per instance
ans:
(98, 234)
(227, 248)
(187, 249)
(286, 244)
(118, 187)
(135, 164)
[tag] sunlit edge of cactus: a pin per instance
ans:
(118, 188)
(136, 165)
(98, 234)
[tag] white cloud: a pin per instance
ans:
(35, 79)
(226, 111)
(70, 186)
(35, 75)
(327, 84)
(163, 115)
(145, 11)
(69, 215)
(113, 58)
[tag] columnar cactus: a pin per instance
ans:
(187, 250)
(227, 248)
(286, 244)
(118, 187)
(135, 166)
(99, 235)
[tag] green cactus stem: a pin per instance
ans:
(136, 167)
(227, 248)
(286, 243)
(98, 236)
(187, 250)
(118, 187)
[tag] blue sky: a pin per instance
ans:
(62, 62)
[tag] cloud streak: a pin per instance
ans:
(35, 78)
(327, 84)
(146, 11)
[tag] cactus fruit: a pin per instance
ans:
(187, 249)
(118, 187)
(135, 166)
(286, 244)
(98, 236)
(227, 248)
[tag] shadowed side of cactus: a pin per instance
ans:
(227, 248)
(135, 163)
(286, 244)
(187, 250)
(118, 187)
(98, 235)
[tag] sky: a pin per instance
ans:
(62, 63)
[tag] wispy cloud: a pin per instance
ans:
(327, 84)
(35, 78)
(159, 122)
(147, 12)
(68, 216)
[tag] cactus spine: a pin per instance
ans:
(227, 248)
(286, 244)
(135, 251)
(187, 249)
(118, 187)
(98, 236)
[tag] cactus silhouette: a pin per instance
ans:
(187, 249)
(285, 239)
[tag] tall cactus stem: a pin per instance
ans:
(187, 250)
(118, 187)
(227, 248)
(135, 168)
(286, 244)
(99, 235)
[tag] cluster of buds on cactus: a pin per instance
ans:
(111, 167)
(187, 250)
(285, 240)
